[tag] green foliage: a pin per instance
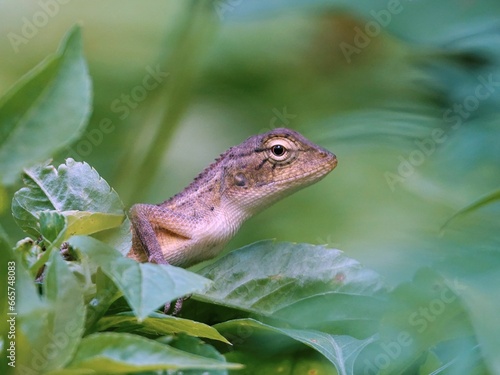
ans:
(145, 286)
(57, 91)
(413, 202)
(488, 199)
(341, 351)
(63, 312)
(293, 282)
(119, 353)
(74, 190)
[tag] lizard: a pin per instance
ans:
(196, 224)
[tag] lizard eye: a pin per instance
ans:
(278, 150)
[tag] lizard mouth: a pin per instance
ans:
(315, 174)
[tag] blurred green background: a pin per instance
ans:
(405, 93)
(391, 87)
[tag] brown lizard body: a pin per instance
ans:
(197, 223)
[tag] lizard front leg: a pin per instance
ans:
(144, 241)
(159, 233)
(145, 245)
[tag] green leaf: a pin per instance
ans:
(118, 353)
(351, 314)
(75, 190)
(46, 109)
(341, 351)
(476, 285)
(304, 362)
(160, 324)
(52, 326)
(494, 196)
(146, 286)
(65, 297)
(105, 294)
(31, 330)
(309, 286)
(119, 238)
(484, 310)
(196, 346)
(462, 360)
(423, 313)
(53, 227)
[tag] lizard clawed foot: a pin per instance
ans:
(177, 306)
(158, 259)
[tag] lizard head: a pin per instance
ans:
(270, 166)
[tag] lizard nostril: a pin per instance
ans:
(240, 179)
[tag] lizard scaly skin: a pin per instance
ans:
(197, 223)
